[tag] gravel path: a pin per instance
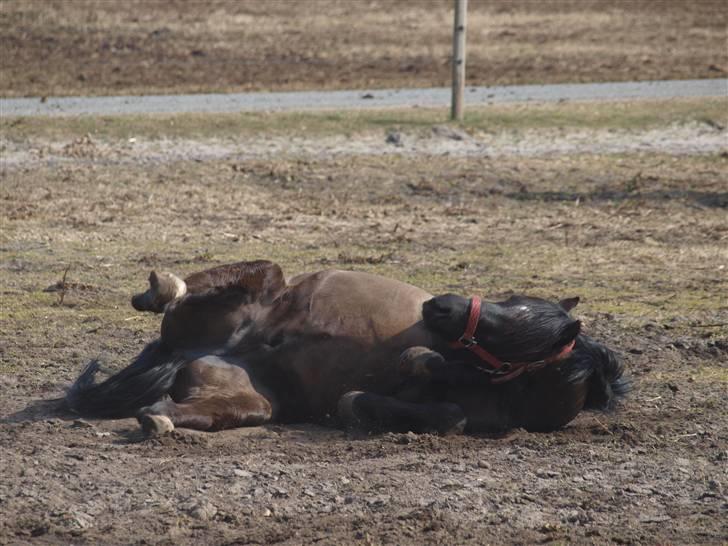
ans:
(385, 98)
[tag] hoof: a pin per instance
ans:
(347, 412)
(416, 361)
(140, 302)
(163, 288)
(451, 421)
(155, 425)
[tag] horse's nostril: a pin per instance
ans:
(434, 305)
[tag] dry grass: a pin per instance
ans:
(626, 115)
(645, 253)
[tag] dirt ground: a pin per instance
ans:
(639, 230)
(98, 47)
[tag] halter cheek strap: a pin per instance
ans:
(501, 371)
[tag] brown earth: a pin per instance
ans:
(640, 235)
(97, 47)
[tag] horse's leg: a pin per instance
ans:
(375, 412)
(209, 394)
(163, 288)
(209, 414)
(418, 404)
(166, 287)
(424, 366)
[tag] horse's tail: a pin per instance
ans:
(605, 370)
(147, 379)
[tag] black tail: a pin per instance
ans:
(147, 379)
(604, 370)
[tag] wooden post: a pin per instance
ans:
(458, 60)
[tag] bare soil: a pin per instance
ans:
(640, 231)
(97, 47)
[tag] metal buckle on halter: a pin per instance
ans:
(505, 367)
(537, 365)
(467, 342)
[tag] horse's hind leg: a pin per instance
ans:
(209, 414)
(209, 394)
(374, 412)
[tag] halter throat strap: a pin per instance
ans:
(501, 371)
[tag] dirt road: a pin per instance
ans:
(347, 100)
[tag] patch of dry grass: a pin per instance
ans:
(627, 115)
(96, 47)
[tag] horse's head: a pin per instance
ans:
(520, 329)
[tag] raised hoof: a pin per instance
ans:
(163, 288)
(140, 302)
(155, 425)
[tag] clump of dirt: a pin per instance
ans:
(81, 147)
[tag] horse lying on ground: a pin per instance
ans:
(240, 346)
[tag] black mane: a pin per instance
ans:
(602, 368)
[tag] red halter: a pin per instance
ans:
(502, 371)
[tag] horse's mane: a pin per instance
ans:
(259, 279)
(602, 368)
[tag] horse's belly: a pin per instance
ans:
(355, 327)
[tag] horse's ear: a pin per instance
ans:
(569, 303)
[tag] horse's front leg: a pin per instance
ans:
(427, 367)
(377, 413)
(167, 287)
(422, 363)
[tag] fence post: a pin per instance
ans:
(458, 60)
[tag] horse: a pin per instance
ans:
(242, 346)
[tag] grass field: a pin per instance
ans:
(95, 47)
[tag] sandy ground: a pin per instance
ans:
(633, 221)
(96, 47)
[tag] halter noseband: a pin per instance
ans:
(501, 371)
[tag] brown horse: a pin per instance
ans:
(242, 346)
